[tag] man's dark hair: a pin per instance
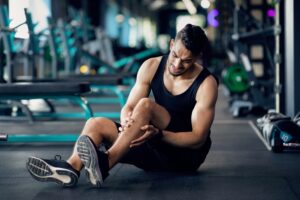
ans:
(193, 38)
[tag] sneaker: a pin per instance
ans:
(94, 161)
(270, 117)
(56, 170)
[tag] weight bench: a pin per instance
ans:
(44, 90)
(99, 84)
(109, 84)
(16, 92)
(112, 83)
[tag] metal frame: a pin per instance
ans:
(31, 138)
(11, 138)
(88, 113)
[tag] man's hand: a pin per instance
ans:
(149, 132)
(126, 123)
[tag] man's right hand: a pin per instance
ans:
(126, 123)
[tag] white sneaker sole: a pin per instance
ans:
(42, 171)
(88, 155)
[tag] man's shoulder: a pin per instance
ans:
(153, 61)
(208, 86)
(148, 69)
(151, 64)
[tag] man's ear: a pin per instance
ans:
(171, 44)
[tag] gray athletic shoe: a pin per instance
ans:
(56, 170)
(94, 161)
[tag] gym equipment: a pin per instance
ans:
(97, 82)
(121, 100)
(270, 117)
(297, 118)
(16, 92)
(12, 93)
(11, 50)
(279, 131)
(35, 48)
(122, 71)
(235, 79)
(77, 55)
(74, 55)
(256, 101)
(284, 134)
(259, 96)
(13, 138)
(113, 83)
(30, 51)
(98, 87)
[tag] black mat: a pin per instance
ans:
(237, 167)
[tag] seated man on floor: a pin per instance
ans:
(171, 132)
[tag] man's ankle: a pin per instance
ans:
(76, 165)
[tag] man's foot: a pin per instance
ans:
(58, 171)
(95, 161)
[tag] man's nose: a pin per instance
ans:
(177, 62)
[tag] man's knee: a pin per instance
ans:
(96, 121)
(145, 104)
(101, 128)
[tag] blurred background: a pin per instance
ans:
(249, 42)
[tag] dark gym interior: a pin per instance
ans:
(63, 62)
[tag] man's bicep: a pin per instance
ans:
(202, 118)
(139, 91)
(141, 88)
(204, 110)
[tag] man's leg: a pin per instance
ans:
(145, 112)
(97, 129)
(98, 163)
(67, 172)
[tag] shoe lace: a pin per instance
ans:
(57, 157)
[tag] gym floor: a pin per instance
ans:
(239, 166)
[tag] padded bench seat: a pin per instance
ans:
(100, 82)
(100, 79)
(95, 79)
(44, 88)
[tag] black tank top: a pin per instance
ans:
(179, 106)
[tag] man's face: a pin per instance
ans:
(180, 58)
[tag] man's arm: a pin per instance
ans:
(202, 118)
(141, 87)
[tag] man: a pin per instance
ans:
(170, 133)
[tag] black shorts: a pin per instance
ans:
(156, 155)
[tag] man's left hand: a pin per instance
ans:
(149, 132)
